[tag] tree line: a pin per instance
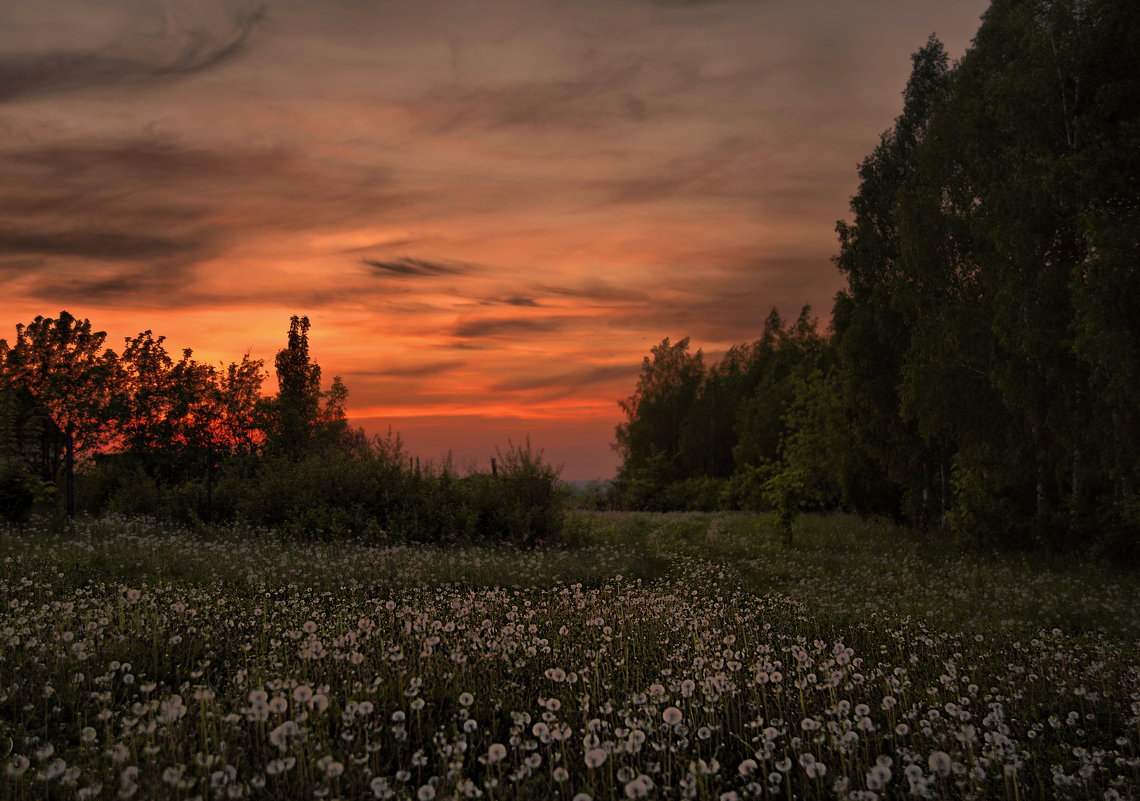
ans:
(982, 364)
(141, 431)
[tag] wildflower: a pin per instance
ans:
(637, 788)
(281, 735)
(88, 735)
(496, 753)
(302, 693)
(466, 699)
(878, 777)
(747, 767)
(940, 762)
(426, 793)
(173, 774)
(595, 757)
(560, 774)
(18, 765)
(672, 715)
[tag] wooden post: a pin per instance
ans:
(494, 467)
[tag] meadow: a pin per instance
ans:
(658, 656)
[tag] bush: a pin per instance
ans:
(697, 494)
(373, 491)
(19, 492)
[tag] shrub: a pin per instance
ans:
(19, 492)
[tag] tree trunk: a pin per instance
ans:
(942, 483)
(209, 483)
(69, 479)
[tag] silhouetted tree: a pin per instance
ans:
(295, 411)
(63, 367)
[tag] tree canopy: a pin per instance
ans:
(981, 367)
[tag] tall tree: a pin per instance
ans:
(874, 319)
(651, 438)
(61, 364)
(296, 409)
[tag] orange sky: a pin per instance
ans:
(490, 210)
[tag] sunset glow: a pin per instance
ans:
(490, 211)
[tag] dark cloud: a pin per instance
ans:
(389, 243)
(148, 200)
(25, 75)
(731, 304)
(515, 300)
(582, 102)
(407, 267)
(493, 327)
(96, 244)
(572, 380)
(597, 291)
(162, 287)
(691, 3)
(416, 370)
(144, 159)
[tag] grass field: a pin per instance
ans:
(662, 656)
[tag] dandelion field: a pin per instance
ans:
(662, 656)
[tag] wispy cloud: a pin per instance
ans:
(583, 101)
(499, 327)
(417, 370)
(530, 192)
(407, 267)
(97, 244)
(27, 75)
(575, 379)
(596, 291)
(514, 300)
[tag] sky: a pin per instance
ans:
(490, 211)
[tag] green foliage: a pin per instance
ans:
(982, 342)
(650, 440)
(984, 355)
(375, 492)
(745, 490)
(785, 493)
(20, 490)
(695, 438)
